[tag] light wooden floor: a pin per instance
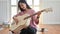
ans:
(52, 29)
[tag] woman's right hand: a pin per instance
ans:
(16, 20)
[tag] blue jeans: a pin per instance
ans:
(29, 30)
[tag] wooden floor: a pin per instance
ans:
(52, 29)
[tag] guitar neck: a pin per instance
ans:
(33, 14)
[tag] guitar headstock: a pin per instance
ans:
(48, 10)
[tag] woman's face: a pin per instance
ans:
(23, 6)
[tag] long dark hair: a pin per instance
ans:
(22, 1)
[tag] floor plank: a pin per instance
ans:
(52, 29)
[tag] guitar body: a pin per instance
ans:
(21, 22)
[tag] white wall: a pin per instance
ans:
(52, 17)
(48, 18)
(4, 10)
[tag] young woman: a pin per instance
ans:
(25, 9)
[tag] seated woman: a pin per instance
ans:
(25, 9)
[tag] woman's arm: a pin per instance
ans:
(15, 18)
(36, 17)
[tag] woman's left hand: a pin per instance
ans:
(38, 15)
